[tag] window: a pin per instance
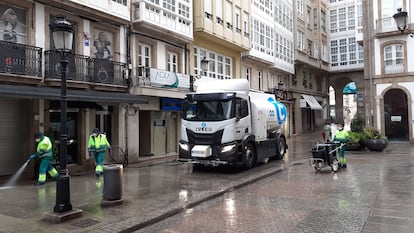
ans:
(144, 60)
(323, 21)
(334, 21)
(248, 73)
(246, 24)
(394, 58)
(207, 9)
(219, 11)
(310, 48)
(172, 62)
(123, 2)
(262, 40)
(242, 108)
(219, 66)
(229, 16)
(301, 42)
(169, 5)
(351, 17)
(259, 77)
(238, 22)
(184, 10)
(299, 7)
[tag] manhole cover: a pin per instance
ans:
(86, 223)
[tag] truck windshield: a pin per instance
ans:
(212, 110)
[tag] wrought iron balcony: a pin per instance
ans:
(108, 72)
(20, 59)
(282, 94)
(77, 69)
(86, 69)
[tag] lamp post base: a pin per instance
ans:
(61, 217)
(62, 194)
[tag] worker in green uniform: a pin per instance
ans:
(44, 152)
(341, 136)
(97, 146)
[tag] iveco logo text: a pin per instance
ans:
(203, 128)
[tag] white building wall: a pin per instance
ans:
(107, 6)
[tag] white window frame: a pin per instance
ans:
(394, 60)
(219, 11)
(213, 64)
(172, 62)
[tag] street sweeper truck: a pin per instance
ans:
(226, 123)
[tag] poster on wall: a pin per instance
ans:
(102, 45)
(103, 67)
(12, 24)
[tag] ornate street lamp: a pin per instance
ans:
(401, 20)
(62, 33)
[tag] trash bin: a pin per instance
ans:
(112, 175)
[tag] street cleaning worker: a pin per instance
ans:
(44, 152)
(341, 136)
(97, 146)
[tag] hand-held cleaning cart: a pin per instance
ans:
(324, 155)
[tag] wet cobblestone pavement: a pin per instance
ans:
(366, 197)
(374, 194)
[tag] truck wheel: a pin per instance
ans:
(281, 148)
(249, 156)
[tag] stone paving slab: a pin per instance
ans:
(22, 208)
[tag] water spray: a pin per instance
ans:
(12, 181)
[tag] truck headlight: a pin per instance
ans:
(183, 146)
(227, 148)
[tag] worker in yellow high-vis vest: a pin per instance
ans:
(342, 136)
(44, 152)
(97, 146)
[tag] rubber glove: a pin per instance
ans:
(33, 156)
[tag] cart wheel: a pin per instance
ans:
(335, 165)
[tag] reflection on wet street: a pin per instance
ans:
(279, 196)
(374, 194)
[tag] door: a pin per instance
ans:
(159, 133)
(171, 130)
(13, 131)
(396, 114)
(72, 129)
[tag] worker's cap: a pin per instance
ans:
(96, 130)
(38, 135)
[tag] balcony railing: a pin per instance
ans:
(20, 59)
(282, 94)
(386, 25)
(77, 68)
(86, 69)
(108, 72)
(394, 66)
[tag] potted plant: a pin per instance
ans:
(355, 140)
(373, 139)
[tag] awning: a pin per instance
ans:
(313, 103)
(18, 91)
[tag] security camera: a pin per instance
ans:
(411, 35)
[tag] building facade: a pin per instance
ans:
(309, 83)
(346, 55)
(268, 65)
(388, 72)
(30, 74)
(159, 57)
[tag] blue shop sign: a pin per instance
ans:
(171, 104)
